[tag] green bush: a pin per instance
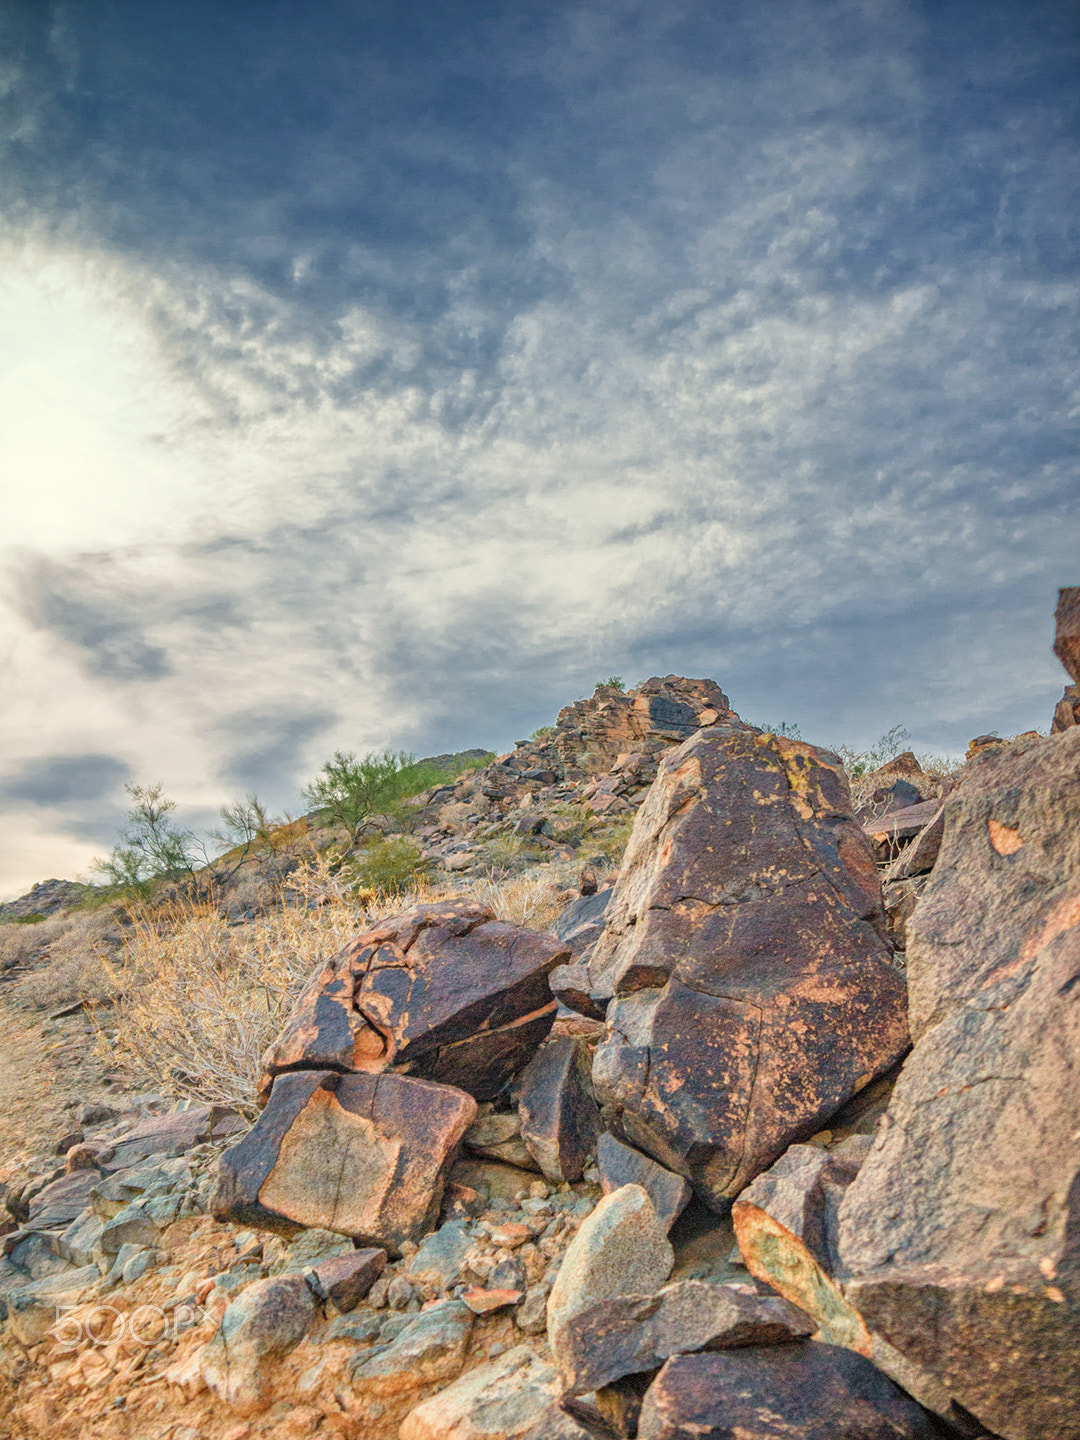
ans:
(861, 762)
(32, 919)
(614, 682)
(388, 866)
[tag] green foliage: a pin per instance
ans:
(388, 866)
(614, 682)
(542, 734)
(862, 762)
(350, 790)
(32, 919)
(151, 846)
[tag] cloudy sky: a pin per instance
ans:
(385, 372)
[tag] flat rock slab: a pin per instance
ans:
(445, 992)
(966, 1213)
(364, 1155)
(430, 1348)
(620, 1249)
(498, 1401)
(582, 922)
(753, 991)
(59, 1204)
(787, 1392)
(636, 1333)
(560, 1120)
(170, 1134)
(621, 1164)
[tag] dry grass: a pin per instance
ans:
(67, 952)
(198, 1000)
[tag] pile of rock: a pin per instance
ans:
(602, 752)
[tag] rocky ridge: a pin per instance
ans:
(490, 1191)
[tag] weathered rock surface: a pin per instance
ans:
(636, 1333)
(582, 922)
(620, 1249)
(962, 1230)
(445, 992)
(621, 1165)
(753, 991)
(1067, 649)
(365, 1155)
(268, 1320)
(560, 1121)
(786, 1392)
(498, 1401)
(786, 1224)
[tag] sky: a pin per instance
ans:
(387, 372)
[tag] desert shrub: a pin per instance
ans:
(613, 682)
(388, 866)
(862, 762)
(786, 728)
(65, 954)
(543, 734)
(611, 841)
(349, 791)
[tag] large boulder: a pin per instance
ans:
(962, 1229)
(445, 992)
(753, 991)
(363, 1155)
(1067, 649)
(784, 1392)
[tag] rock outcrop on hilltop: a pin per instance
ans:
(468, 1213)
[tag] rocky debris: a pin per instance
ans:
(498, 1401)
(745, 1016)
(560, 1121)
(960, 1229)
(620, 1249)
(268, 1320)
(1067, 649)
(920, 855)
(621, 1165)
(594, 733)
(786, 1392)
(633, 1334)
(362, 1154)
(444, 992)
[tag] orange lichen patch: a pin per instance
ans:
(1065, 914)
(1004, 840)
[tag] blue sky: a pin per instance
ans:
(385, 374)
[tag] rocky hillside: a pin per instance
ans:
(770, 1131)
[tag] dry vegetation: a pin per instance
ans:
(195, 1000)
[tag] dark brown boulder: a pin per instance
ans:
(344, 1280)
(962, 1230)
(785, 1392)
(621, 1165)
(632, 1334)
(365, 1155)
(560, 1121)
(445, 992)
(1067, 649)
(1067, 630)
(753, 990)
